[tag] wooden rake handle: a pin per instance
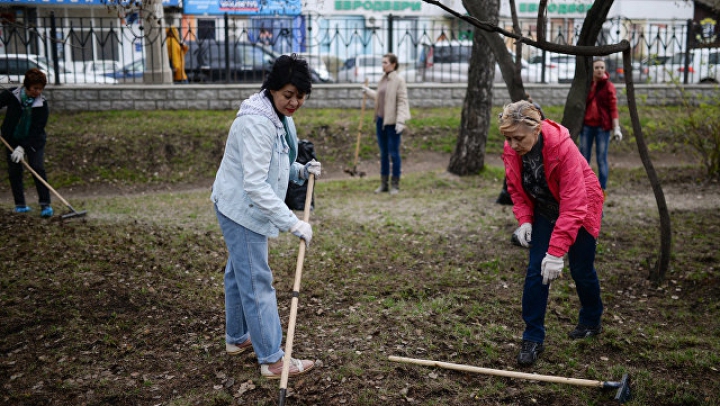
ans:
(38, 177)
(499, 372)
(295, 295)
(360, 126)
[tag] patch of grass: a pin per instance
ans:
(122, 148)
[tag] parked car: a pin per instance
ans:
(563, 65)
(101, 67)
(130, 73)
(359, 67)
(249, 62)
(615, 69)
(444, 61)
(672, 69)
(531, 73)
(318, 69)
(448, 61)
(650, 69)
(702, 68)
(14, 66)
(699, 69)
(713, 70)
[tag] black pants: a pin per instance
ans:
(36, 160)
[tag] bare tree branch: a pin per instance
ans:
(601, 50)
(657, 274)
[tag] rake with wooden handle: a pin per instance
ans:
(295, 297)
(623, 387)
(354, 170)
(73, 212)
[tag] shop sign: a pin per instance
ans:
(377, 5)
(555, 8)
(104, 3)
(243, 7)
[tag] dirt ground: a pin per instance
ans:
(96, 322)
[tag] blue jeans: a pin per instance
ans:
(389, 143)
(250, 301)
(581, 258)
(588, 136)
(36, 160)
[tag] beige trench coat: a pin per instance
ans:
(397, 109)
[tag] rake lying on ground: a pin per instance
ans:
(623, 387)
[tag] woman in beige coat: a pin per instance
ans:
(391, 113)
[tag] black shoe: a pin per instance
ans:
(583, 331)
(529, 352)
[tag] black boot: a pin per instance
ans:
(395, 185)
(383, 185)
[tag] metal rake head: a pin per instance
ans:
(623, 393)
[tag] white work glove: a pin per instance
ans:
(18, 154)
(617, 134)
(365, 89)
(313, 167)
(303, 230)
(399, 128)
(524, 234)
(551, 268)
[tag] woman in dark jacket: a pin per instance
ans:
(24, 129)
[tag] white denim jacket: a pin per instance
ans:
(252, 180)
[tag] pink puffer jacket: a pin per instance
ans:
(571, 181)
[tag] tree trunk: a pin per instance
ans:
(574, 113)
(469, 155)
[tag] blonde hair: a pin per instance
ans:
(519, 113)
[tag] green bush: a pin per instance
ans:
(700, 130)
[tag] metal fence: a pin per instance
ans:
(226, 49)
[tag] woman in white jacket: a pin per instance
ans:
(249, 193)
(391, 113)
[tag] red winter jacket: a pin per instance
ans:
(571, 181)
(604, 95)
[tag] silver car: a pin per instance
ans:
(448, 61)
(360, 67)
(14, 66)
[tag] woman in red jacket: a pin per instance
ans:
(601, 116)
(558, 203)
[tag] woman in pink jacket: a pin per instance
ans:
(558, 203)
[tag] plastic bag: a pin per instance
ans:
(295, 198)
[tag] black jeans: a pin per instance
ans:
(36, 160)
(581, 259)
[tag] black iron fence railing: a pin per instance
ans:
(339, 49)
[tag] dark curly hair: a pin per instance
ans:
(34, 76)
(289, 69)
